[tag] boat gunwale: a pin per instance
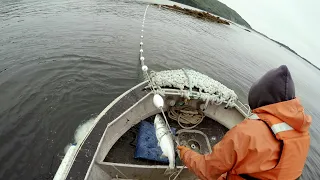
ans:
(241, 108)
(105, 132)
(138, 165)
(66, 172)
(213, 110)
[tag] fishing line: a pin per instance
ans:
(145, 68)
(142, 58)
(141, 38)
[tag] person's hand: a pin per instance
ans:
(182, 150)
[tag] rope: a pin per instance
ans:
(247, 107)
(189, 81)
(141, 38)
(165, 118)
(119, 172)
(186, 115)
(142, 58)
(178, 173)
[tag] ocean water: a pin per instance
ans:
(63, 61)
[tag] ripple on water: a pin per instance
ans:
(40, 91)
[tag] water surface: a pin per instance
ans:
(63, 61)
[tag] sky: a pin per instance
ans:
(295, 23)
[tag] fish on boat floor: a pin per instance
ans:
(123, 150)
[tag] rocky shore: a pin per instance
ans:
(198, 14)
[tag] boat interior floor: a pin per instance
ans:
(123, 150)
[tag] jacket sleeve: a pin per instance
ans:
(212, 166)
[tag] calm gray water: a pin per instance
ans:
(63, 61)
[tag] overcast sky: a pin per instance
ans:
(295, 23)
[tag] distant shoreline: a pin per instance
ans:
(209, 17)
(217, 8)
(198, 14)
(289, 49)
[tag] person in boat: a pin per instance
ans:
(273, 143)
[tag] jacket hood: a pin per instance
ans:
(290, 112)
(274, 87)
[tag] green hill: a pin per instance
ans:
(217, 8)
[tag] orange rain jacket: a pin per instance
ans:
(251, 148)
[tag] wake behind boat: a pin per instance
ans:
(197, 110)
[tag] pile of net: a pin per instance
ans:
(198, 86)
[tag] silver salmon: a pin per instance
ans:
(165, 141)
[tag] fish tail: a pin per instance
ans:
(170, 170)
